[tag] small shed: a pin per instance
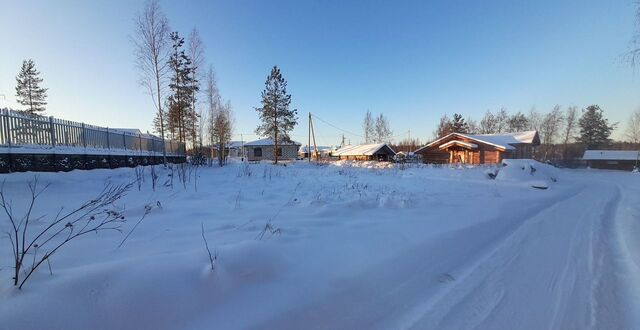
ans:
(480, 148)
(264, 150)
(378, 151)
(612, 159)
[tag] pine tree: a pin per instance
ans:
(277, 119)
(28, 89)
(182, 89)
(458, 125)
(594, 128)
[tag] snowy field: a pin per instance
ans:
(339, 247)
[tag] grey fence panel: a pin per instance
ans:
(20, 129)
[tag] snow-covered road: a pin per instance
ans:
(542, 266)
(423, 248)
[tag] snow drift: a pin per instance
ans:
(528, 171)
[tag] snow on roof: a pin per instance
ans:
(234, 144)
(360, 149)
(128, 130)
(521, 137)
(269, 142)
(320, 148)
(502, 140)
(610, 155)
(460, 143)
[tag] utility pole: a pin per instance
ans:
(309, 139)
(313, 133)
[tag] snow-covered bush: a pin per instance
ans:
(529, 171)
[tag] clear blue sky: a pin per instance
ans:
(411, 60)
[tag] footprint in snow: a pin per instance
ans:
(444, 278)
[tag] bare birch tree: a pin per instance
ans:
(534, 119)
(151, 43)
(632, 131)
(382, 130)
(213, 101)
(368, 127)
(570, 127)
(551, 125)
(488, 123)
(195, 51)
(222, 130)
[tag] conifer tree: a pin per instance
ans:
(182, 86)
(28, 89)
(594, 128)
(277, 119)
(458, 125)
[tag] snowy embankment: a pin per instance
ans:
(348, 245)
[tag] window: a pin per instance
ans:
(279, 152)
(257, 152)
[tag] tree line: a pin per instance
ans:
(172, 70)
(588, 128)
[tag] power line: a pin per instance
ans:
(336, 127)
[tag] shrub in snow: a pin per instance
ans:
(35, 245)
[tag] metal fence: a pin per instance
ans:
(22, 130)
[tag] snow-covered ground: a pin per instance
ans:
(349, 245)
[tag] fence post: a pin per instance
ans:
(124, 141)
(52, 132)
(7, 126)
(84, 137)
(108, 144)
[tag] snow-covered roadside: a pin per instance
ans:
(357, 247)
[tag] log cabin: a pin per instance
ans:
(480, 148)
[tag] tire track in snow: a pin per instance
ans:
(392, 294)
(567, 285)
(605, 303)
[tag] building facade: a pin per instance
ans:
(265, 150)
(480, 149)
(625, 160)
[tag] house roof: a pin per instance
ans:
(610, 155)
(361, 150)
(503, 141)
(460, 143)
(269, 142)
(234, 144)
(320, 148)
